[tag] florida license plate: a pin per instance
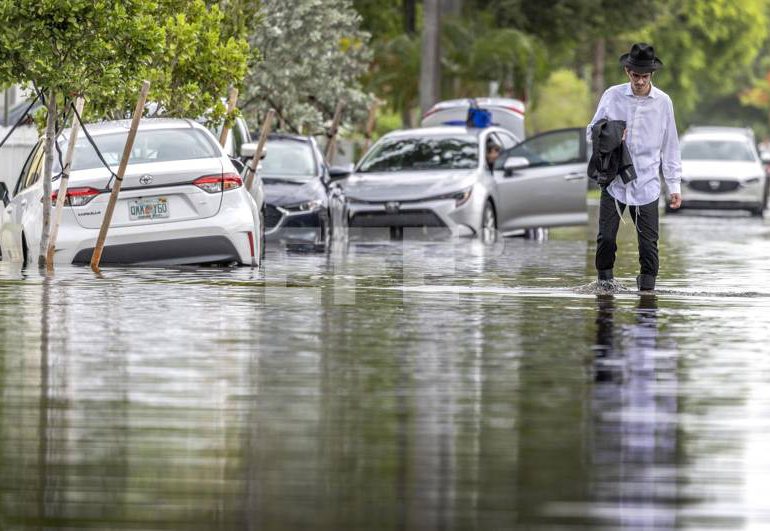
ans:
(155, 208)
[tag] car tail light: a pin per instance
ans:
(77, 196)
(218, 183)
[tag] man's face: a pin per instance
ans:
(640, 83)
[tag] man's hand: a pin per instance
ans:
(676, 201)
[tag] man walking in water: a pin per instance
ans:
(652, 142)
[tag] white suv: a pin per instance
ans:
(721, 169)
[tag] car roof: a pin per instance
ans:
(112, 126)
(288, 136)
(728, 136)
(720, 131)
(446, 130)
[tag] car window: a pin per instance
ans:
(422, 153)
(154, 145)
(508, 140)
(289, 159)
(547, 149)
(34, 155)
(34, 170)
(238, 138)
(730, 150)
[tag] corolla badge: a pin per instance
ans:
(145, 179)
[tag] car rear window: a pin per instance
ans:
(422, 153)
(155, 145)
(730, 150)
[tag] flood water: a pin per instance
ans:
(395, 385)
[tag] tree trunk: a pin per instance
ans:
(406, 117)
(430, 65)
(50, 134)
(597, 74)
(410, 16)
(453, 7)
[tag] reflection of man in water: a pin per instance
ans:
(634, 412)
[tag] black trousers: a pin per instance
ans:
(645, 217)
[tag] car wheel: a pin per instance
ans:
(488, 222)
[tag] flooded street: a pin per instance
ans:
(395, 385)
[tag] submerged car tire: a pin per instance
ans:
(488, 222)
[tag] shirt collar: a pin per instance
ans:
(653, 91)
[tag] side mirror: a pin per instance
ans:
(512, 164)
(340, 172)
(249, 148)
(5, 195)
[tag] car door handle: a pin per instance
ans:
(574, 176)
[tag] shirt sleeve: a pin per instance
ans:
(670, 157)
(601, 112)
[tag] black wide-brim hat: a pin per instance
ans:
(641, 59)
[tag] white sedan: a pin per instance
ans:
(181, 201)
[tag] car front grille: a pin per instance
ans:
(405, 218)
(272, 216)
(713, 186)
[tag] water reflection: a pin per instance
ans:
(387, 386)
(634, 411)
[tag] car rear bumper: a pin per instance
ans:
(196, 250)
(222, 238)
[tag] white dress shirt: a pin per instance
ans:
(651, 139)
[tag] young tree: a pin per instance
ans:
(74, 47)
(313, 55)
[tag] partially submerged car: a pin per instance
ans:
(181, 201)
(301, 202)
(721, 169)
(441, 178)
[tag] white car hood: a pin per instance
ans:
(718, 169)
(406, 185)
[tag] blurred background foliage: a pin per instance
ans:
(560, 55)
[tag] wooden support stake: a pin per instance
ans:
(97, 256)
(331, 144)
(370, 123)
(231, 101)
(251, 172)
(63, 183)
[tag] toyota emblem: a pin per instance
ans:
(145, 179)
(392, 207)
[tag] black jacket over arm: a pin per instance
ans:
(610, 156)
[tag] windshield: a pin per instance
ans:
(733, 150)
(422, 153)
(155, 145)
(289, 159)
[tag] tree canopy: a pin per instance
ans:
(313, 54)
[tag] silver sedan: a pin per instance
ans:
(447, 179)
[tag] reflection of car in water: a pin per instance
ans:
(721, 169)
(301, 202)
(182, 201)
(438, 178)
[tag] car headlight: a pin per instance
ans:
(753, 180)
(460, 197)
(307, 206)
